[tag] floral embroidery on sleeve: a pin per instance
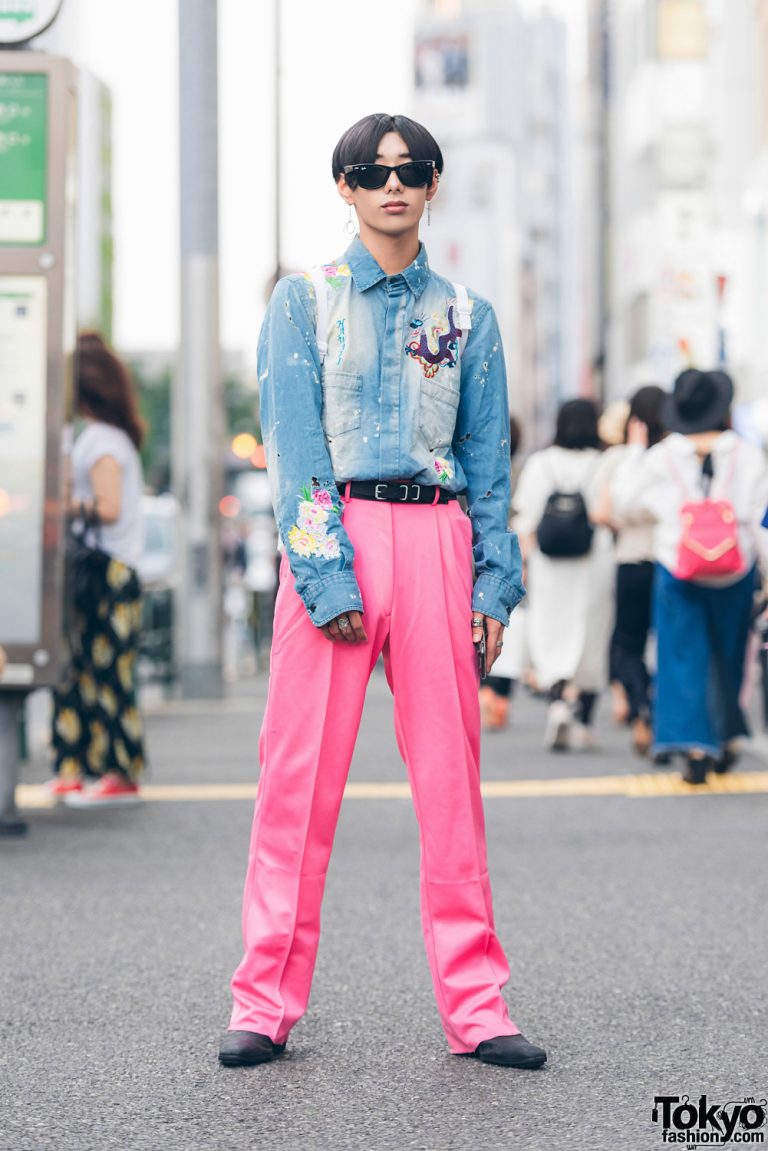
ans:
(443, 469)
(309, 535)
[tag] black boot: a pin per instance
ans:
(725, 761)
(695, 769)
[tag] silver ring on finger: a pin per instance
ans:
(477, 621)
(344, 624)
(499, 645)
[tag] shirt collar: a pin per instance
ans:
(725, 442)
(366, 271)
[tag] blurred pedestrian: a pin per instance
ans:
(97, 735)
(633, 538)
(496, 690)
(612, 423)
(706, 489)
(383, 396)
(611, 428)
(569, 577)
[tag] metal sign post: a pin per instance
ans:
(37, 339)
(197, 401)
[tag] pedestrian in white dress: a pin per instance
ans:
(570, 598)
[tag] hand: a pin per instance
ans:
(762, 605)
(355, 633)
(67, 494)
(637, 432)
(494, 636)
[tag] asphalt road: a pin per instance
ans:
(635, 925)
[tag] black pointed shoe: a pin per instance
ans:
(511, 1051)
(247, 1048)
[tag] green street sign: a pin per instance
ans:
(23, 157)
(22, 20)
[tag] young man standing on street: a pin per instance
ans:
(383, 396)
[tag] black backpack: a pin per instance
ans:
(564, 530)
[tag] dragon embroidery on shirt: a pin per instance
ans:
(419, 347)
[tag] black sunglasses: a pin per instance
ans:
(413, 174)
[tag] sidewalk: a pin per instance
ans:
(633, 919)
(213, 745)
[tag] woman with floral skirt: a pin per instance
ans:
(97, 736)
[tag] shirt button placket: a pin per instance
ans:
(392, 363)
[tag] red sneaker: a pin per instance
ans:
(109, 791)
(57, 787)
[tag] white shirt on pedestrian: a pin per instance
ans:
(668, 475)
(124, 539)
(633, 532)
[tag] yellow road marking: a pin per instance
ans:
(629, 786)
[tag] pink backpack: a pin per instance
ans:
(709, 539)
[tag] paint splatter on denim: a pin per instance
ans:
(402, 394)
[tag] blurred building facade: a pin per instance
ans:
(491, 86)
(680, 104)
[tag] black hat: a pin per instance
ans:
(699, 402)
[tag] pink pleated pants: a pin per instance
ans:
(414, 567)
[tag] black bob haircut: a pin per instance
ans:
(360, 143)
(646, 405)
(577, 426)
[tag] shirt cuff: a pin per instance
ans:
(496, 597)
(329, 597)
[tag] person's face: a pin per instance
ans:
(394, 209)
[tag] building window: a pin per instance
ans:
(684, 156)
(762, 16)
(449, 9)
(681, 29)
(637, 327)
(442, 62)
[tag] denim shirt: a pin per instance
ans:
(402, 394)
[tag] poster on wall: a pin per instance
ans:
(23, 323)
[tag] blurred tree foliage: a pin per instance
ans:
(155, 406)
(153, 385)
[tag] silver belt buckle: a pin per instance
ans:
(376, 495)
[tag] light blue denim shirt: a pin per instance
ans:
(401, 395)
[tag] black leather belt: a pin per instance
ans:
(397, 492)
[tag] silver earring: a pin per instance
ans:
(429, 212)
(349, 227)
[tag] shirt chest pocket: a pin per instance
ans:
(342, 402)
(438, 403)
